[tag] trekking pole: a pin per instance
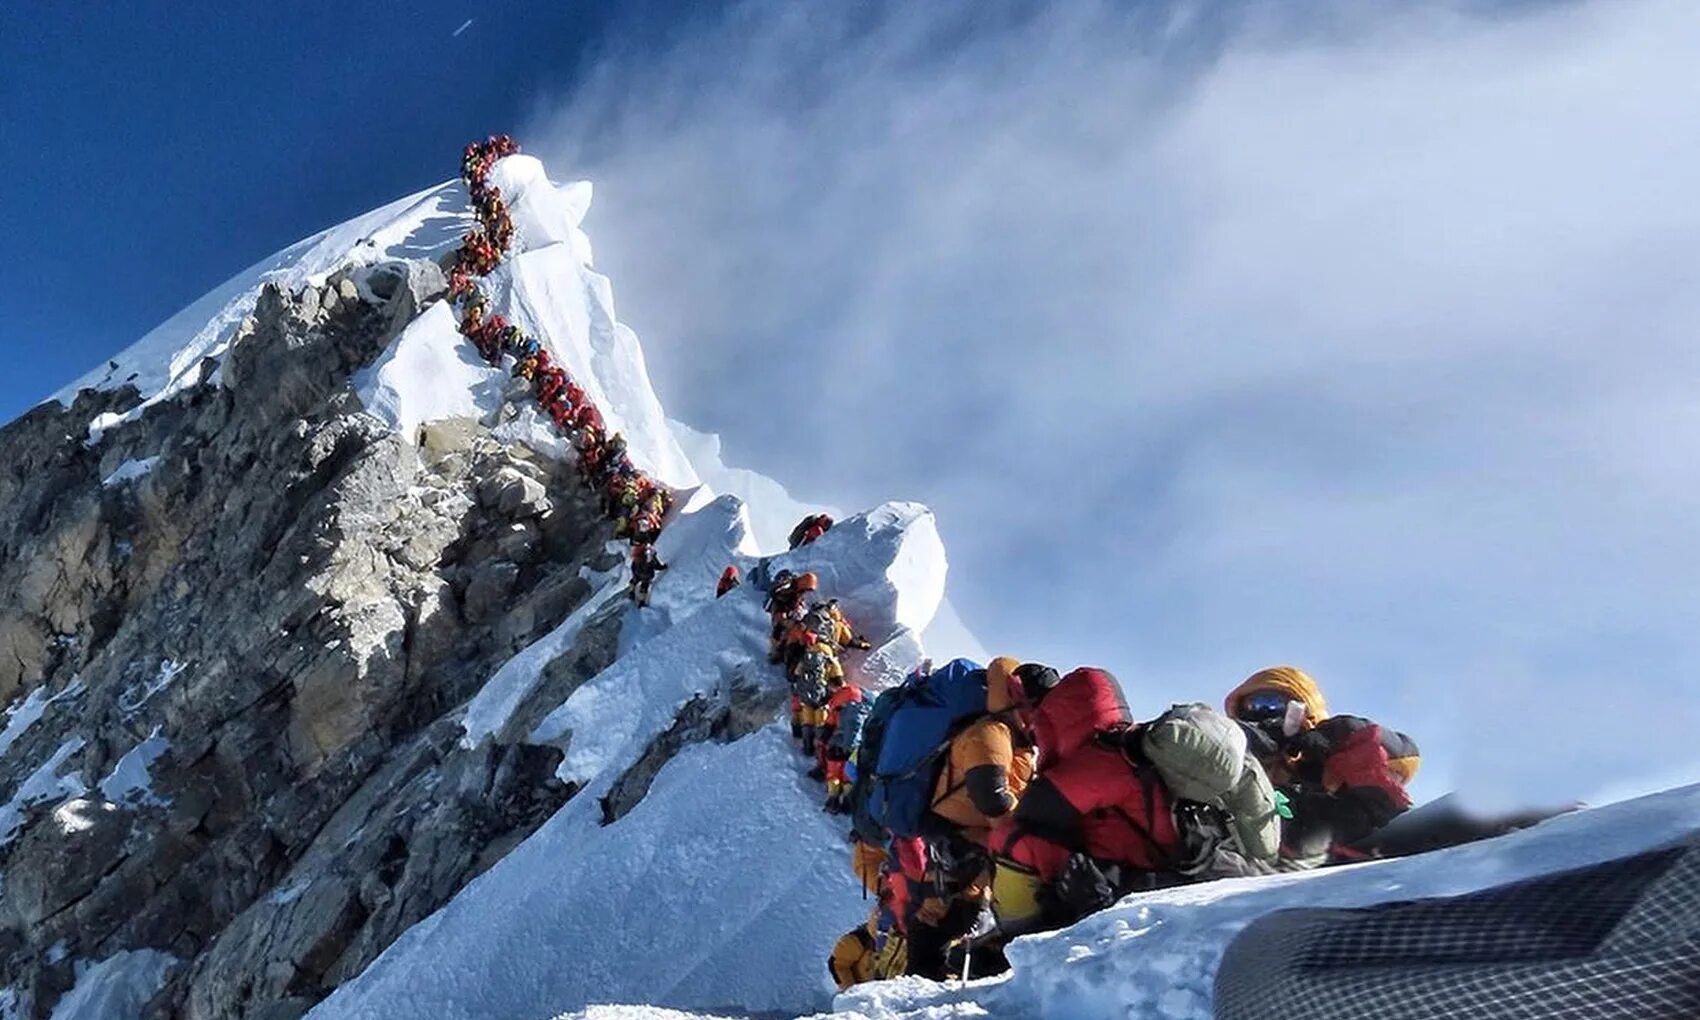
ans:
(967, 955)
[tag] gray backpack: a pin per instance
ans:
(1201, 755)
(811, 686)
(818, 621)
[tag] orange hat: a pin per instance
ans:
(808, 582)
(1002, 690)
(1292, 681)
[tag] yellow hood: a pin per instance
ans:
(1289, 680)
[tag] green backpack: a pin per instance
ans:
(1201, 755)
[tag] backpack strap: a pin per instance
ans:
(1003, 715)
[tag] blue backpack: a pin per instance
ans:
(852, 719)
(903, 743)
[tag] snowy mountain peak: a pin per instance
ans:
(313, 623)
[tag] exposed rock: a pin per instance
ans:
(293, 601)
(742, 706)
(514, 494)
(489, 588)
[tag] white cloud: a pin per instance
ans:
(1364, 340)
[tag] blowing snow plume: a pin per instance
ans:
(1347, 335)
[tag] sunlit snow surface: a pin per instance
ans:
(425, 225)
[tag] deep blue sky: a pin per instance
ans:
(154, 149)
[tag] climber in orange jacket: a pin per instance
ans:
(985, 770)
(808, 529)
(1344, 776)
(785, 603)
(989, 764)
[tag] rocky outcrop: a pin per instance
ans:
(235, 626)
(743, 704)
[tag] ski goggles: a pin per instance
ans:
(1261, 706)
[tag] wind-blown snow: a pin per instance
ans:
(130, 470)
(116, 988)
(168, 358)
(429, 373)
(43, 786)
(21, 716)
(130, 781)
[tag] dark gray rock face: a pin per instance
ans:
(270, 612)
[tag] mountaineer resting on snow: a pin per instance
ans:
(729, 579)
(808, 529)
(1343, 776)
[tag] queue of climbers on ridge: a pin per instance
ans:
(991, 801)
(636, 503)
(995, 801)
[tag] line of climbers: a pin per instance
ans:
(995, 801)
(808, 637)
(635, 502)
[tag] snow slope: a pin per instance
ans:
(773, 511)
(115, 988)
(167, 359)
(548, 288)
(692, 899)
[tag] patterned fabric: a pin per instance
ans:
(1616, 941)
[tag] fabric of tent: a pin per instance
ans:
(1614, 941)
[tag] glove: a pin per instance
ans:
(1083, 888)
(931, 911)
